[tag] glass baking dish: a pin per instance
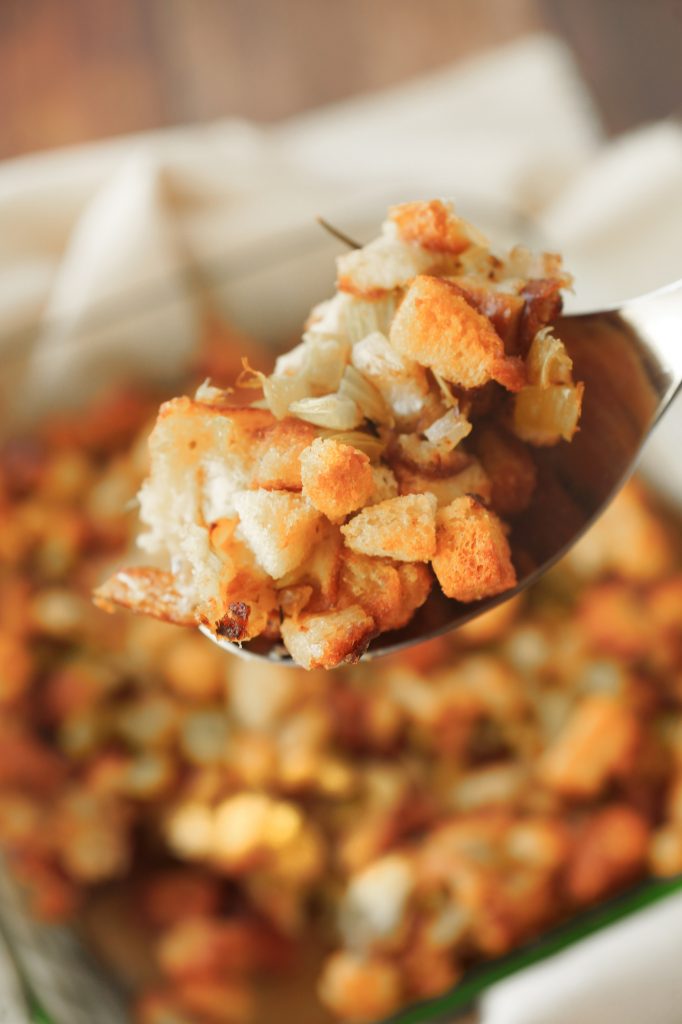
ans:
(266, 291)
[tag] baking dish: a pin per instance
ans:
(266, 293)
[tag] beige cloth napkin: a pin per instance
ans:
(104, 227)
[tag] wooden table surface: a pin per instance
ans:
(72, 70)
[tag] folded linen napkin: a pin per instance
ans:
(513, 134)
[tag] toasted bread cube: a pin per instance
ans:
(381, 266)
(599, 740)
(403, 528)
(416, 581)
(360, 988)
(337, 478)
(320, 570)
(628, 539)
(279, 527)
(472, 559)
(504, 309)
(147, 591)
(247, 609)
(438, 328)
(432, 225)
(511, 470)
(389, 592)
(199, 455)
(471, 480)
(610, 850)
(421, 455)
(279, 465)
(385, 485)
(328, 638)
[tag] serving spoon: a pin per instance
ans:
(630, 360)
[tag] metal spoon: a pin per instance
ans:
(630, 359)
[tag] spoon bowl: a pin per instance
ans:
(630, 360)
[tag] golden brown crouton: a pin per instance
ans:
(472, 479)
(280, 528)
(432, 225)
(510, 468)
(472, 557)
(389, 592)
(503, 309)
(279, 466)
(403, 528)
(385, 484)
(416, 581)
(146, 591)
(610, 851)
(360, 988)
(421, 455)
(628, 539)
(247, 608)
(381, 266)
(320, 570)
(328, 638)
(598, 741)
(438, 328)
(616, 619)
(337, 479)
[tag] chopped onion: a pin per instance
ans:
(446, 433)
(364, 316)
(332, 411)
(548, 362)
(365, 395)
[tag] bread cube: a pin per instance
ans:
(471, 480)
(319, 572)
(432, 225)
(337, 478)
(279, 465)
(438, 328)
(385, 484)
(402, 528)
(611, 849)
(599, 740)
(472, 559)
(381, 266)
(327, 639)
(504, 309)
(147, 591)
(279, 527)
(389, 592)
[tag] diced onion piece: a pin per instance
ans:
(365, 395)
(325, 361)
(548, 362)
(363, 317)
(447, 431)
(543, 416)
(280, 392)
(332, 411)
(313, 368)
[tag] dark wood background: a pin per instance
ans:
(72, 70)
